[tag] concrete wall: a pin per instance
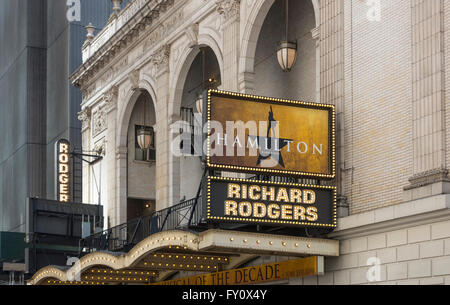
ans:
(39, 105)
(22, 115)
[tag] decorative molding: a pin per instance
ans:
(88, 92)
(192, 34)
(85, 117)
(118, 34)
(427, 178)
(161, 58)
(100, 148)
(409, 214)
(110, 98)
(230, 9)
(99, 121)
(133, 77)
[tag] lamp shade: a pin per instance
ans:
(199, 104)
(287, 55)
(144, 138)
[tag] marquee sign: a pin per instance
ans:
(301, 267)
(63, 170)
(270, 203)
(268, 135)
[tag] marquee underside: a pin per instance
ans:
(161, 255)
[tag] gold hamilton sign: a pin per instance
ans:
(256, 274)
(268, 135)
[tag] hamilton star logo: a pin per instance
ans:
(270, 146)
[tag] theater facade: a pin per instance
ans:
(223, 163)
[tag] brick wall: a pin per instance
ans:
(377, 109)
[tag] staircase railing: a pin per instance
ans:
(183, 216)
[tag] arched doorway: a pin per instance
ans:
(300, 82)
(141, 164)
(203, 73)
(259, 69)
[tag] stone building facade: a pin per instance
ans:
(381, 63)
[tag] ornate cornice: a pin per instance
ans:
(427, 178)
(106, 45)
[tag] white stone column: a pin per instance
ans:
(174, 162)
(110, 99)
(230, 10)
(85, 117)
(430, 174)
(119, 212)
(161, 61)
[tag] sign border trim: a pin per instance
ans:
(263, 99)
(309, 224)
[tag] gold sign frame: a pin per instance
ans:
(207, 117)
(252, 220)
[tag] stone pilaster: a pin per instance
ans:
(430, 175)
(110, 99)
(161, 61)
(119, 211)
(85, 117)
(230, 11)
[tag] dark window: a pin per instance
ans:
(147, 154)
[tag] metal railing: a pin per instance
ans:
(183, 216)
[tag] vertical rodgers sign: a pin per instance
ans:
(63, 170)
(270, 203)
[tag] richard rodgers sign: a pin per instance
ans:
(63, 170)
(268, 135)
(270, 203)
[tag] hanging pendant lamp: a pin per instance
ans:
(144, 135)
(287, 50)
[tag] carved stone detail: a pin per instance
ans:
(228, 8)
(161, 57)
(134, 79)
(110, 98)
(192, 34)
(100, 148)
(99, 121)
(85, 117)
